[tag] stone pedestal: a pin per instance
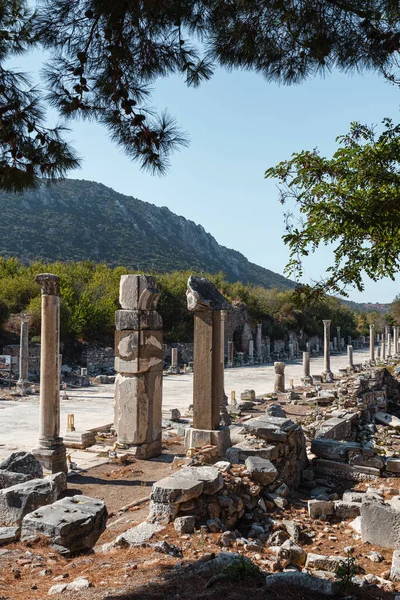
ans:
(279, 384)
(307, 379)
(51, 452)
(372, 344)
(327, 374)
(208, 381)
(139, 364)
(174, 368)
(23, 385)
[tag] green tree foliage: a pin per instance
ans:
(89, 298)
(351, 200)
(395, 309)
(106, 54)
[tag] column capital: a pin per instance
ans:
(49, 283)
(327, 322)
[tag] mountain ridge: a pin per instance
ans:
(81, 220)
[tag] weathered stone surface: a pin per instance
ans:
(8, 535)
(333, 449)
(380, 523)
(80, 583)
(72, 524)
(261, 471)
(347, 510)
(23, 462)
(395, 569)
(203, 295)
(335, 429)
(79, 439)
(138, 351)
(350, 496)
(210, 476)
(184, 524)
(386, 419)
(19, 500)
(162, 512)
(292, 552)
(137, 320)
(138, 292)
(239, 452)
(8, 478)
(197, 438)
(301, 581)
(346, 472)
(176, 489)
(320, 508)
(325, 563)
(136, 536)
(393, 465)
(367, 461)
(272, 429)
(275, 410)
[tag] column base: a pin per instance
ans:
(174, 371)
(79, 439)
(327, 376)
(52, 459)
(24, 387)
(229, 365)
(251, 361)
(197, 438)
(143, 451)
(307, 380)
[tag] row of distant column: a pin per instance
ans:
(389, 345)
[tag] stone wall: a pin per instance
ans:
(98, 359)
(34, 358)
(185, 353)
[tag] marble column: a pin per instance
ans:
(259, 343)
(378, 353)
(51, 452)
(230, 354)
(328, 375)
(251, 352)
(139, 366)
(389, 345)
(174, 368)
(395, 340)
(350, 365)
(23, 382)
(279, 384)
(268, 348)
(383, 349)
(372, 343)
(306, 368)
(339, 339)
(291, 351)
(207, 303)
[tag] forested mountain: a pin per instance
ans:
(83, 220)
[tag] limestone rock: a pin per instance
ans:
(184, 524)
(8, 478)
(8, 535)
(301, 581)
(203, 295)
(23, 462)
(138, 292)
(333, 449)
(163, 512)
(275, 410)
(395, 570)
(380, 523)
(393, 465)
(274, 429)
(238, 453)
(210, 476)
(325, 563)
(176, 489)
(23, 498)
(261, 471)
(292, 552)
(347, 510)
(386, 419)
(136, 536)
(320, 508)
(72, 524)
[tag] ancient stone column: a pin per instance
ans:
(268, 348)
(259, 343)
(350, 365)
(339, 339)
(279, 384)
(327, 374)
(139, 365)
(349, 340)
(174, 368)
(383, 349)
(389, 345)
(251, 352)
(306, 368)
(23, 382)
(395, 340)
(291, 351)
(372, 343)
(206, 302)
(230, 354)
(335, 343)
(51, 452)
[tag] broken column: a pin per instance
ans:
(139, 364)
(279, 384)
(174, 368)
(230, 354)
(259, 343)
(206, 302)
(291, 351)
(350, 364)
(51, 452)
(251, 352)
(339, 339)
(306, 368)
(327, 374)
(23, 382)
(372, 343)
(383, 349)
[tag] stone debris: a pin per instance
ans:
(301, 581)
(23, 462)
(136, 536)
(261, 471)
(72, 524)
(8, 535)
(78, 584)
(184, 524)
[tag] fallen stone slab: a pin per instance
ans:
(301, 581)
(364, 460)
(238, 453)
(347, 510)
(335, 429)
(395, 569)
(272, 429)
(393, 465)
(324, 563)
(19, 500)
(81, 583)
(261, 471)
(176, 489)
(8, 478)
(386, 419)
(350, 496)
(23, 462)
(8, 535)
(320, 508)
(210, 476)
(73, 524)
(380, 523)
(134, 537)
(346, 472)
(333, 449)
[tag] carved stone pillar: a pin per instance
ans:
(23, 384)
(259, 343)
(372, 343)
(350, 365)
(328, 375)
(306, 368)
(279, 384)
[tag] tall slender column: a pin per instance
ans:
(259, 343)
(251, 352)
(339, 339)
(51, 452)
(306, 368)
(389, 345)
(23, 383)
(174, 368)
(230, 354)
(395, 340)
(327, 351)
(372, 343)
(383, 349)
(350, 365)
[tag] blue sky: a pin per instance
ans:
(239, 125)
